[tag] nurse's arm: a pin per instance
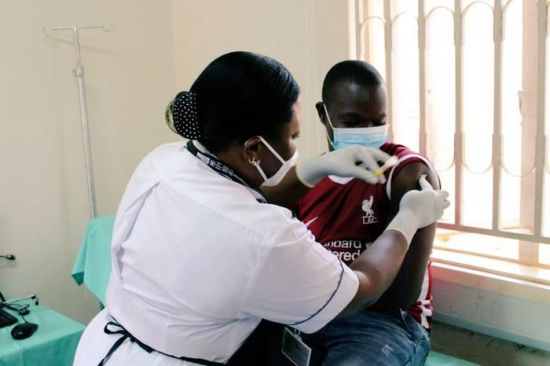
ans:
(376, 269)
(406, 287)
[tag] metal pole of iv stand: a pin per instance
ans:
(78, 73)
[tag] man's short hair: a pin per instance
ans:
(351, 71)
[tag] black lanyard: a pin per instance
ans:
(221, 168)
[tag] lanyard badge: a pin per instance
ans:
(294, 348)
(222, 169)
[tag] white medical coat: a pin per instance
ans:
(197, 262)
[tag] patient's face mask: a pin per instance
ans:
(283, 170)
(366, 136)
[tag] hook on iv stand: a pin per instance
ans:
(78, 73)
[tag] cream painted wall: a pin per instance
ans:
(307, 36)
(130, 75)
(153, 49)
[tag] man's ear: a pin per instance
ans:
(252, 149)
(321, 112)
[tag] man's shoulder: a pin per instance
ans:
(399, 150)
(411, 164)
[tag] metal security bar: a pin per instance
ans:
(386, 12)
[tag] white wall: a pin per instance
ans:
(307, 36)
(130, 78)
(483, 350)
(502, 307)
(131, 74)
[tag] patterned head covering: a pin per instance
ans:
(182, 117)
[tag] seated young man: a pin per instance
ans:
(346, 214)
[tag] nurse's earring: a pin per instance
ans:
(251, 149)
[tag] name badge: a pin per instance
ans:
(295, 349)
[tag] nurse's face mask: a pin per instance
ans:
(366, 136)
(285, 167)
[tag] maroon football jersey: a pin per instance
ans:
(346, 215)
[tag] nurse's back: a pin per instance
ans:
(187, 243)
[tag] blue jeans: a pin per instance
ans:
(371, 338)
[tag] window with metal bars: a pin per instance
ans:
(467, 84)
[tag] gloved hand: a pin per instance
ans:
(418, 209)
(343, 163)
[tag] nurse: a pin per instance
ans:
(200, 254)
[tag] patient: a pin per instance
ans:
(345, 215)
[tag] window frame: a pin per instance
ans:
(532, 104)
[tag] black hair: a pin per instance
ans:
(351, 71)
(240, 95)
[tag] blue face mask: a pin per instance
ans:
(366, 136)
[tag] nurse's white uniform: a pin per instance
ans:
(197, 262)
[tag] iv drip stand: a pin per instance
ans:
(78, 73)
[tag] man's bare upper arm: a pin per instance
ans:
(406, 180)
(407, 285)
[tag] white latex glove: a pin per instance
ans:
(343, 163)
(419, 209)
